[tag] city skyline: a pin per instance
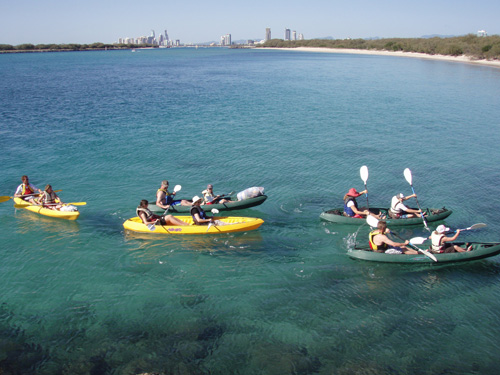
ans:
(57, 21)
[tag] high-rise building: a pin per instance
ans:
(225, 40)
(301, 36)
(287, 34)
(268, 34)
(294, 35)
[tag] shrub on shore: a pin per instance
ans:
(477, 47)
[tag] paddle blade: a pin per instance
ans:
(215, 211)
(151, 227)
(363, 172)
(408, 176)
(209, 225)
(4, 198)
(177, 188)
(372, 221)
(417, 240)
(478, 225)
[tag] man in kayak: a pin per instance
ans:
(148, 217)
(439, 240)
(209, 198)
(26, 190)
(380, 243)
(165, 199)
(351, 206)
(399, 211)
(199, 216)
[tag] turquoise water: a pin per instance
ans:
(106, 127)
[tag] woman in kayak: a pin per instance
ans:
(439, 240)
(148, 217)
(165, 199)
(351, 206)
(199, 216)
(49, 199)
(26, 190)
(209, 198)
(380, 243)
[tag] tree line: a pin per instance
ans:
(27, 47)
(477, 47)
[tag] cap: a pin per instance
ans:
(196, 199)
(441, 229)
(400, 195)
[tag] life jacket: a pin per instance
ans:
(207, 197)
(168, 196)
(397, 212)
(373, 245)
(200, 212)
(27, 189)
(348, 210)
(49, 198)
(148, 213)
(436, 239)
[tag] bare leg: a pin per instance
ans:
(172, 220)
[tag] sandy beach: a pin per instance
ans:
(461, 59)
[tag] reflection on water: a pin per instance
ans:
(28, 221)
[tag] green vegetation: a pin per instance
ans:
(477, 47)
(66, 47)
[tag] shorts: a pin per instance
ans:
(394, 250)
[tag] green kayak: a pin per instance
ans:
(228, 206)
(479, 251)
(337, 216)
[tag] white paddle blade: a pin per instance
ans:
(209, 225)
(215, 211)
(408, 176)
(477, 226)
(417, 240)
(363, 172)
(372, 221)
(177, 188)
(151, 227)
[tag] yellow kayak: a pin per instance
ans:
(229, 224)
(68, 215)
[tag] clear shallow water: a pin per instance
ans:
(106, 127)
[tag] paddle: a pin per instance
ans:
(364, 176)
(474, 226)
(373, 222)
(176, 189)
(214, 211)
(409, 179)
(50, 204)
(5, 198)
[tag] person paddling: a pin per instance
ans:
(165, 199)
(399, 211)
(210, 198)
(26, 190)
(439, 240)
(380, 243)
(199, 216)
(49, 199)
(351, 206)
(148, 217)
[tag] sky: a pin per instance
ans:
(196, 21)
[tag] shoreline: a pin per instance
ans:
(459, 59)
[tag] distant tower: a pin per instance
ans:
(294, 35)
(301, 36)
(287, 34)
(268, 34)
